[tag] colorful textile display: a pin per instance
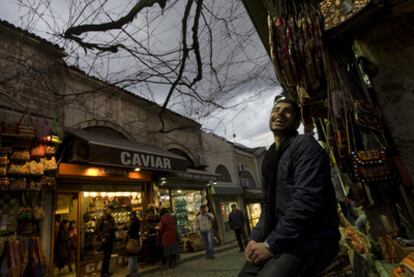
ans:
(297, 48)
(22, 257)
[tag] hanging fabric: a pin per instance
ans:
(295, 37)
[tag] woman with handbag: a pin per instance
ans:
(133, 245)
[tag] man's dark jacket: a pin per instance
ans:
(236, 219)
(305, 207)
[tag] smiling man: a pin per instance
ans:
(297, 234)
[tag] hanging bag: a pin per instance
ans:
(133, 246)
(372, 166)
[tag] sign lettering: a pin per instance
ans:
(144, 160)
(109, 156)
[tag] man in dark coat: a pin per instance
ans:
(236, 222)
(297, 234)
(105, 230)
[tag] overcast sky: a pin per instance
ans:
(246, 122)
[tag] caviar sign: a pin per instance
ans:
(132, 159)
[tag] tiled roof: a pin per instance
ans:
(29, 34)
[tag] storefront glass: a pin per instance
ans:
(186, 205)
(86, 213)
(253, 214)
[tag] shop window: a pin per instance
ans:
(186, 205)
(253, 214)
(86, 215)
(224, 173)
(190, 163)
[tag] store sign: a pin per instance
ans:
(195, 176)
(145, 160)
(109, 171)
(121, 157)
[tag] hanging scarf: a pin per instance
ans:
(269, 172)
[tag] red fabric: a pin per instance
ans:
(167, 228)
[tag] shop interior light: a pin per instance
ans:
(134, 194)
(179, 191)
(137, 169)
(86, 194)
(214, 183)
(104, 194)
(93, 194)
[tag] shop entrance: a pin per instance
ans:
(77, 219)
(66, 239)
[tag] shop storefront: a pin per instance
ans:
(225, 195)
(81, 201)
(185, 192)
(100, 172)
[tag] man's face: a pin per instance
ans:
(233, 208)
(282, 118)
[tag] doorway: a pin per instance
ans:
(66, 239)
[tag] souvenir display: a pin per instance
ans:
(27, 163)
(3, 171)
(38, 151)
(372, 166)
(186, 206)
(20, 155)
(4, 160)
(4, 182)
(336, 12)
(49, 164)
(18, 183)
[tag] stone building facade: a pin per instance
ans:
(36, 79)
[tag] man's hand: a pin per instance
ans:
(257, 252)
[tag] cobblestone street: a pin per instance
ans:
(226, 264)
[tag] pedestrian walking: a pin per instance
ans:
(105, 230)
(133, 239)
(236, 222)
(297, 234)
(204, 226)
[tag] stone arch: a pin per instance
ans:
(224, 173)
(247, 178)
(182, 151)
(100, 123)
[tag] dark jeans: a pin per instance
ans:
(107, 248)
(241, 238)
(294, 263)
